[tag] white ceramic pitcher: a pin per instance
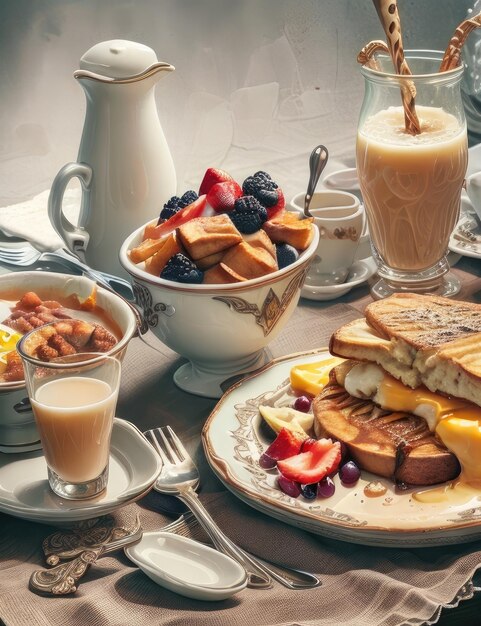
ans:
(124, 163)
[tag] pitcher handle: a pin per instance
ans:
(75, 237)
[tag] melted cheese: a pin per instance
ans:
(457, 423)
(311, 378)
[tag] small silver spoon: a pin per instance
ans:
(317, 163)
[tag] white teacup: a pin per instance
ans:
(340, 219)
(473, 189)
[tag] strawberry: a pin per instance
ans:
(195, 209)
(287, 443)
(211, 177)
(321, 459)
(222, 196)
(272, 211)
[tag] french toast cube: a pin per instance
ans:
(156, 263)
(291, 229)
(209, 261)
(249, 261)
(203, 236)
(260, 239)
(220, 274)
(145, 249)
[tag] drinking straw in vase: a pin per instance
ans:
(389, 16)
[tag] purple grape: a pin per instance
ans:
(266, 461)
(288, 486)
(303, 404)
(326, 487)
(349, 473)
(309, 491)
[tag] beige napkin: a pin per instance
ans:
(29, 220)
(361, 586)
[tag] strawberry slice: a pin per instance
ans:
(322, 458)
(211, 177)
(287, 444)
(280, 205)
(195, 209)
(222, 196)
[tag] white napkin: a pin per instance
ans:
(29, 220)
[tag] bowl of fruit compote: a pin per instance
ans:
(89, 318)
(219, 273)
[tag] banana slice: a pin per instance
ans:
(280, 417)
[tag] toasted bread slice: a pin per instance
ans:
(394, 445)
(290, 228)
(424, 322)
(204, 236)
(419, 340)
(357, 340)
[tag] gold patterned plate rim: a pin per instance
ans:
(233, 439)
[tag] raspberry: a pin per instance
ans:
(286, 254)
(262, 187)
(248, 215)
(182, 270)
(174, 204)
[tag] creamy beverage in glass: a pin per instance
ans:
(73, 396)
(74, 417)
(411, 183)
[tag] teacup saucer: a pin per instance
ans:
(466, 237)
(360, 271)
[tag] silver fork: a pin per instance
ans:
(179, 477)
(27, 255)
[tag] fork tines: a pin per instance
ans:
(167, 444)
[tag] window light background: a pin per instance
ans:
(258, 83)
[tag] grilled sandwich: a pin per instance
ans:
(407, 402)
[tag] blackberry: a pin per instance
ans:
(182, 270)
(174, 204)
(248, 214)
(286, 254)
(170, 208)
(262, 187)
(188, 197)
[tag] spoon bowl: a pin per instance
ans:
(187, 567)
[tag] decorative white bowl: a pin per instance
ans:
(222, 330)
(18, 431)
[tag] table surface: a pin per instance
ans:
(149, 402)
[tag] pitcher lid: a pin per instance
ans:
(118, 58)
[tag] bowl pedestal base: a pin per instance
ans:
(206, 379)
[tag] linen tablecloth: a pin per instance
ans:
(362, 586)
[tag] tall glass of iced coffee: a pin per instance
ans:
(411, 183)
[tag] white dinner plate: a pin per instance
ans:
(234, 437)
(24, 490)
